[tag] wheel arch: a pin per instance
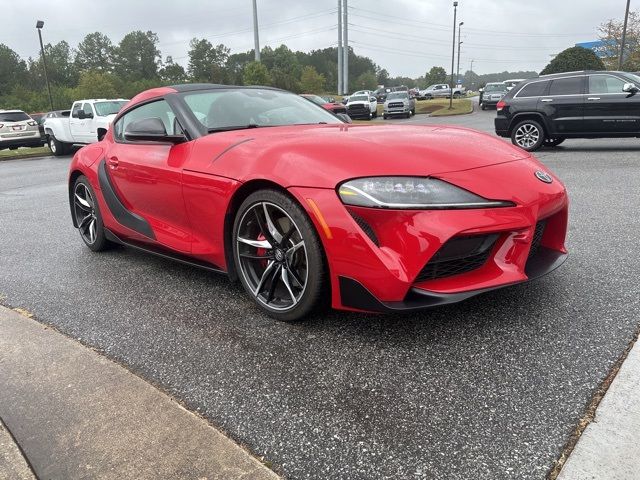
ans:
(538, 117)
(73, 176)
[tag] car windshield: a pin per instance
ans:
(234, 109)
(635, 78)
(13, 116)
(359, 98)
(109, 108)
(316, 99)
(495, 88)
(393, 95)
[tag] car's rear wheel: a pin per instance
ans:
(483, 106)
(278, 255)
(553, 142)
(528, 135)
(57, 147)
(87, 215)
(385, 116)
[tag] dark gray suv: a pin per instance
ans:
(545, 111)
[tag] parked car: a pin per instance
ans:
(491, 94)
(381, 94)
(399, 104)
(42, 117)
(17, 129)
(513, 83)
(362, 106)
(589, 104)
(333, 107)
(88, 123)
(394, 218)
(401, 88)
(440, 90)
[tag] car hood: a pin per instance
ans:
(325, 155)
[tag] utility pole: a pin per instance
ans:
(453, 52)
(39, 25)
(340, 72)
(459, 43)
(471, 69)
(256, 41)
(345, 49)
(624, 36)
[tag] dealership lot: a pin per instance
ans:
(490, 388)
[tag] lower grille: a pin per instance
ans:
(458, 255)
(537, 238)
(355, 108)
(366, 228)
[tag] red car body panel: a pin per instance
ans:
(186, 193)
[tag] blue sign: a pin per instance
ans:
(602, 48)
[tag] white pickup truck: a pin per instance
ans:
(88, 122)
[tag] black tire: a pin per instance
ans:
(293, 257)
(385, 116)
(528, 135)
(375, 114)
(413, 112)
(483, 106)
(93, 237)
(553, 142)
(57, 147)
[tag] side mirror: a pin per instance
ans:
(629, 88)
(150, 130)
(372, 99)
(481, 90)
(81, 115)
(344, 117)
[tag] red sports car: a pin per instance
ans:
(304, 209)
(333, 107)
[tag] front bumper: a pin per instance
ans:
(376, 256)
(397, 111)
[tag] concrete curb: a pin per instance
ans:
(76, 414)
(13, 466)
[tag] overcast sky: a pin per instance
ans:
(406, 37)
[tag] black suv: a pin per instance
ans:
(545, 111)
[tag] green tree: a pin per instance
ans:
(95, 52)
(172, 72)
(311, 81)
(610, 32)
(365, 81)
(435, 75)
(283, 66)
(96, 84)
(13, 70)
(383, 77)
(572, 59)
(60, 68)
(255, 73)
(206, 62)
(137, 56)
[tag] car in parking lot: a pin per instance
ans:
(440, 90)
(333, 107)
(511, 83)
(491, 94)
(306, 210)
(17, 129)
(363, 107)
(585, 104)
(399, 104)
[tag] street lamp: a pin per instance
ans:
(453, 52)
(39, 25)
(460, 42)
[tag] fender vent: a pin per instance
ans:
(366, 228)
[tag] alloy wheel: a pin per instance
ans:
(85, 212)
(527, 135)
(272, 256)
(52, 145)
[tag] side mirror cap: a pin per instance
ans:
(150, 130)
(629, 88)
(344, 117)
(481, 89)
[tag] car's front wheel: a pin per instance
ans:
(87, 215)
(57, 147)
(528, 135)
(278, 255)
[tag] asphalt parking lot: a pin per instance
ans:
(490, 388)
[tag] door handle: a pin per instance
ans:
(547, 100)
(593, 98)
(112, 162)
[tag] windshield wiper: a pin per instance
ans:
(232, 127)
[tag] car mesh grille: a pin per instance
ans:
(356, 107)
(537, 238)
(396, 105)
(458, 255)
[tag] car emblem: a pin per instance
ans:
(543, 176)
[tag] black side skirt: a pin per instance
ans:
(118, 210)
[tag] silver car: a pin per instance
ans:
(400, 104)
(17, 129)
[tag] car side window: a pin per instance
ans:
(88, 109)
(566, 86)
(535, 89)
(76, 109)
(158, 109)
(605, 84)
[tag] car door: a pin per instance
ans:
(86, 130)
(608, 109)
(564, 105)
(147, 177)
(75, 123)
(373, 105)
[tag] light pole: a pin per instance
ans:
(459, 43)
(256, 40)
(345, 47)
(340, 72)
(624, 36)
(453, 52)
(39, 25)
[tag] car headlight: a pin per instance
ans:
(411, 193)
